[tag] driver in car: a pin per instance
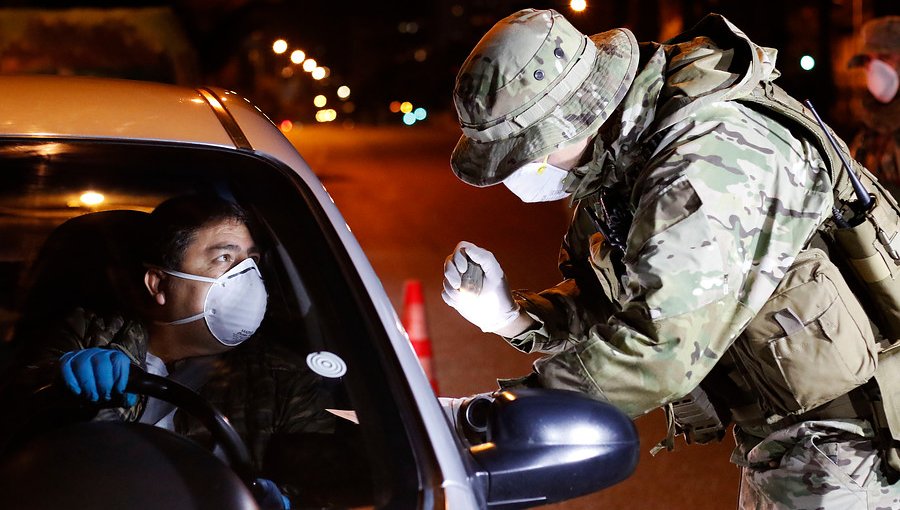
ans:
(206, 298)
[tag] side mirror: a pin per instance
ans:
(544, 446)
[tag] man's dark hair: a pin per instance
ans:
(175, 222)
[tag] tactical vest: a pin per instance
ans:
(849, 296)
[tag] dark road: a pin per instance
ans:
(397, 193)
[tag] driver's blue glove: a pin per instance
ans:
(269, 496)
(97, 374)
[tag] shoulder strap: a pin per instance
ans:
(774, 100)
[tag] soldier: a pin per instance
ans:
(690, 279)
(877, 144)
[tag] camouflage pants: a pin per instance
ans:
(817, 465)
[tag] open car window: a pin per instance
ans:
(316, 393)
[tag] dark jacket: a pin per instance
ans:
(263, 387)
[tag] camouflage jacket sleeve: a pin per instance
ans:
(573, 305)
(726, 202)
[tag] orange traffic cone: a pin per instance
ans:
(414, 323)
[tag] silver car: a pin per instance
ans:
(77, 157)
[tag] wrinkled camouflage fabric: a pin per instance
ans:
(256, 385)
(723, 201)
(814, 465)
(724, 198)
(499, 79)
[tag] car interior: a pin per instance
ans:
(61, 253)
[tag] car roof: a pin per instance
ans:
(107, 108)
(43, 106)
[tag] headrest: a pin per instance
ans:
(94, 261)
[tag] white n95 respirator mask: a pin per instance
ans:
(882, 80)
(538, 182)
(235, 302)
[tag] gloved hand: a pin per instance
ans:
(269, 496)
(490, 307)
(97, 374)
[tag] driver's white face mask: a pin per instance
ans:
(882, 80)
(235, 302)
(538, 182)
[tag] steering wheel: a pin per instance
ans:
(223, 434)
(54, 461)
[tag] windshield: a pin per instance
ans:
(315, 393)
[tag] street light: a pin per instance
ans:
(318, 73)
(309, 64)
(320, 101)
(91, 198)
(279, 46)
(297, 56)
(343, 92)
(326, 115)
(807, 62)
(578, 5)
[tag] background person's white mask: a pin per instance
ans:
(538, 182)
(882, 80)
(235, 302)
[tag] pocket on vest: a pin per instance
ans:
(811, 342)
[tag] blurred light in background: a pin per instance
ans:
(297, 56)
(807, 62)
(326, 115)
(405, 107)
(408, 27)
(320, 101)
(286, 126)
(395, 107)
(420, 55)
(309, 64)
(91, 198)
(409, 118)
(578, 5)
(343, 92)
(279, 46)
(420, 113)
(348, 107)
(318, 73)
(287, 72)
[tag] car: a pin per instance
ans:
(80, 158)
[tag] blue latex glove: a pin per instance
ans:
(269, 496)
(97, 374)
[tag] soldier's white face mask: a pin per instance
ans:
(235, 302)
(538, 182)
(882, 80)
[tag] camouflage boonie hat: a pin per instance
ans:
(879, 35)
(531, 84)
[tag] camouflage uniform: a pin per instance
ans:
(724, 198)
